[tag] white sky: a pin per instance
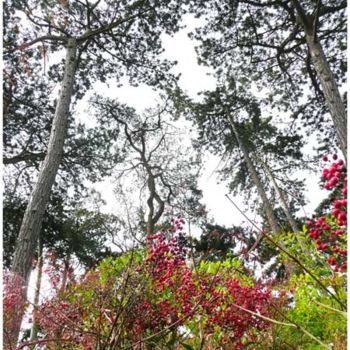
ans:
(194, 78)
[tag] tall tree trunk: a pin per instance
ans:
(34, 213)
(331, 92)
(281, 197)
(255, 177)
(283, 203)
(34, 329)
(329, 86)
(65, 272)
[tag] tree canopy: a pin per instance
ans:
(144, 263)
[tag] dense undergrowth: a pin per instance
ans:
(161, 296)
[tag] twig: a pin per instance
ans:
(264, 234)
(294, 325)
(331, 308)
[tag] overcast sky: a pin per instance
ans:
(194, 78)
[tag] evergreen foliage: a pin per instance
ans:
(156, 271)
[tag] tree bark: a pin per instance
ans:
(34, 329)
(65, 272)
(33, 216)
(255, 177)
(281, 198)
(284, 205)
(330, 89)
(153, 217)
(331, 92)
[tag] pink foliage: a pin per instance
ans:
(329, 232)
(14, 302)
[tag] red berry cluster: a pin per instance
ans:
(233, 321)
(171, 293)
(177, 224)
(335, 174)
(167, 266)
(329, 231)
(164, 259)
(155, 317)
(205, 294)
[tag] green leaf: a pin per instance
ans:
(172, 340)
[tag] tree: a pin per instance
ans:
(231, 126)
(215, 243)
(100, 40)
(33, 216)
(280, 46)
(335, 104)
(71, 237)
(253, 173)
(163, 170)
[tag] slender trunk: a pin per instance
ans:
(34, 329)
(65, 275)
(5, 107)
(281, 198)
(255, 177)
(153, 216)
(330, 89)
(33, 216)
(284, 205)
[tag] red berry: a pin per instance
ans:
(331, 260)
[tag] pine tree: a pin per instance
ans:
(100, 40)
(231, 126)
(281, 47)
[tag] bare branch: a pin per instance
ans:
(104, 29)
(24, 157)
(37, 40)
